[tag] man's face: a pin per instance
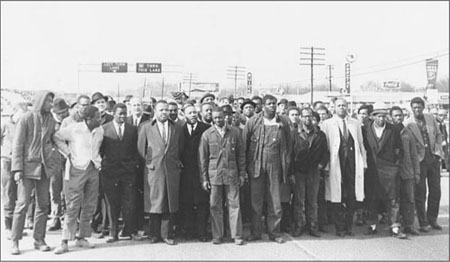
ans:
(48, 104)
(191, 114)
(397, 116)
(240, 102)
(363, 115)
(162, 112)
(225, 101)
(136, 107)
(95, 121)
(82, 103)
(442, 115)
(228, 118)
(270, 106)
(248, 110)
(258, 103)
(207, 113)
(417, 109)
(218, 119)
(101, 105)
(307, 118)
(323, 115)
(208, 99)
(380, 119)
(120, 115)
(293, 115)
(282, 109)
(340, 106)
(173, 112)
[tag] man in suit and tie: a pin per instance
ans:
(137, 119)
(429, 147)
(384, 153)
(194, 208)
(160, 143)
(173, 114)
(120, 162)
(344, 181)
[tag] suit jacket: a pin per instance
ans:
(383, 158)
(333, 182)
(410, 164)
(433, 133)
(130, 120)
(120, 158)
(162, 166)
(190, 186)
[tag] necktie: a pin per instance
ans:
(135, 122)
(191, 129)
(344, 129)
(163, 130)
(120, 132)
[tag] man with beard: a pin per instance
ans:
(32, 165)
(194, 207)
(409, 172)
(160, 143)
(429, 147)
(206, 113)
(80, 144)
(268, 153)
(384, 153)
(344, 182)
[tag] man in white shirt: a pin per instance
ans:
(80, 144)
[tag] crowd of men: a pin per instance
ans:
(165, 170)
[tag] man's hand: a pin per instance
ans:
(206, 186)
(18, 177)
(241, 181)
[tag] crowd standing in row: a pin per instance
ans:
(165, 169)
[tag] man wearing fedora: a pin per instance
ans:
(207, 98)
(100, 101)
(60, 111)
(384, 154)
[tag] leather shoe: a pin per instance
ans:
(424, 229)
(278, 240)
(56, 225)
(371, 231)
(216, 241)
(436, 226)
(112, 239)
(136, 237)
(41, 245)
(170, 242)
(313, 232)
(239, 241)
(15, 248)
(62, 249)
(154, 240)
(253, 238)
(411, 230)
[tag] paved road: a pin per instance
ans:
(430, 246)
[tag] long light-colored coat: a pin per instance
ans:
(333, 182)
(162, 166)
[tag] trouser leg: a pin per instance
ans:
(234, 210)
(112, 191)
(420, 195)
(56, 185)
(407, 202)
(274, 210)
(166, 225)
(434, 192)
(9, 193)
(299, 200)
(322, 204)
(89, 201)
(312, 189)
(42, 188)
(24, 189)
(257, 192)
(216, 207)
(128, 208)
(202, 213)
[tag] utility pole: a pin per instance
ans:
(311, 58)
(189, 79)
(143, 89)
(330, 67)
(236, 73)
(162, 88)
(118, 92)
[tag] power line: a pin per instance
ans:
(312, 57)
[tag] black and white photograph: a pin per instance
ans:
(224, 130)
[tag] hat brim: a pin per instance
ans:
(248, 102)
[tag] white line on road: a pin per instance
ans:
(297, 243)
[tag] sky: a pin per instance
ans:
(60, 45)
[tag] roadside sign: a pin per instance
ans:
(114, 67)
(148, 67)
(393, 84)
(249, 83)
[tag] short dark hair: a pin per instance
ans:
(395, 108)
(293, 108)
(292, 104)
(88, 112)
(161, 101)
(417, 100)
(268, 97)
(316, 116)
(317, 102)
(322, 107)
(367, 107)
(306, 108)
(119, 105)
(83, 96)
(173, 104)
(257, 98)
